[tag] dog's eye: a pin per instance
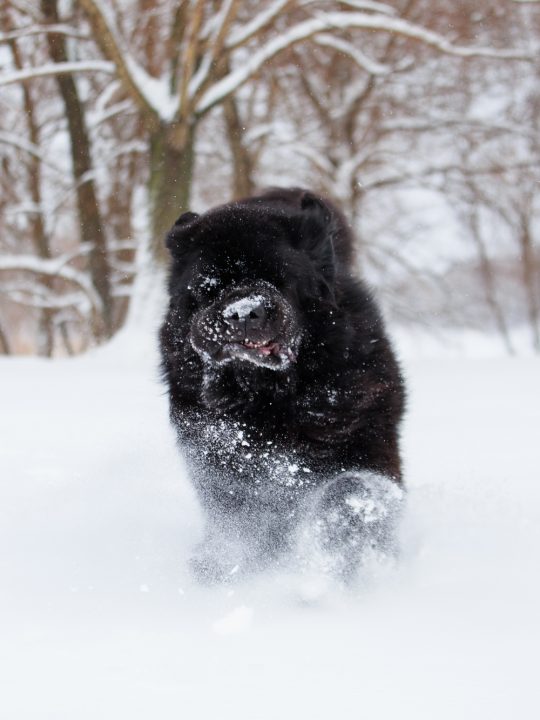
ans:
(205, 289)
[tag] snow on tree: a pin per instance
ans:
(176, 98)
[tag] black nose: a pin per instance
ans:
(246, 314)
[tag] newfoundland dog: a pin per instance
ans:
(284, 390)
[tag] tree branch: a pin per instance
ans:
(345, 48)
(50, 69)
(32, 149)
(189, 58)
(257, 25)
(54, 267)
(345, 21)
(451, 167)
(174, 41)
(31, 30)
(134, 79)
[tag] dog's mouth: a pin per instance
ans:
(271, 353)
(269, 348)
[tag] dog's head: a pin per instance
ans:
(244, 274)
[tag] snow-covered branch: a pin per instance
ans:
(359, 58)
(215, 43)
(326, 22)
(441, 123)
(53, 268)
(119, 245)
(50, 69)
(398, 26)
(150, 94)
(318, 159)
(20, 143)
(38, 296)
(31, 30)
(123, 107)
(430, 171)
(366, 5)
(123, 291)
(263, 20)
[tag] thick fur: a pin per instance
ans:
(280, 427)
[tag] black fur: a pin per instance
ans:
(283, 386)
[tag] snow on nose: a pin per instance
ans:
(248, 312)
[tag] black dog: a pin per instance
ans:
(283, 387)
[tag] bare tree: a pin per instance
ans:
(214, 49)
(164, 99)
(92, 231)
(45, 335)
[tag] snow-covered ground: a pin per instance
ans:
(98, 616)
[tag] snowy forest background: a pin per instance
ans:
(420, 117)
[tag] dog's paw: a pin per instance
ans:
(352, 522)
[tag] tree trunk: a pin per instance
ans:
(530, 280)
(119, 220)
(91, 229)
(4, 344)
(242, 163)
(64, 334)
(45, 339)
(488, 278)
(171, 175)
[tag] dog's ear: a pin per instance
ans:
(317, 230)
(178, 233)
(186, 218)
(315, 205)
